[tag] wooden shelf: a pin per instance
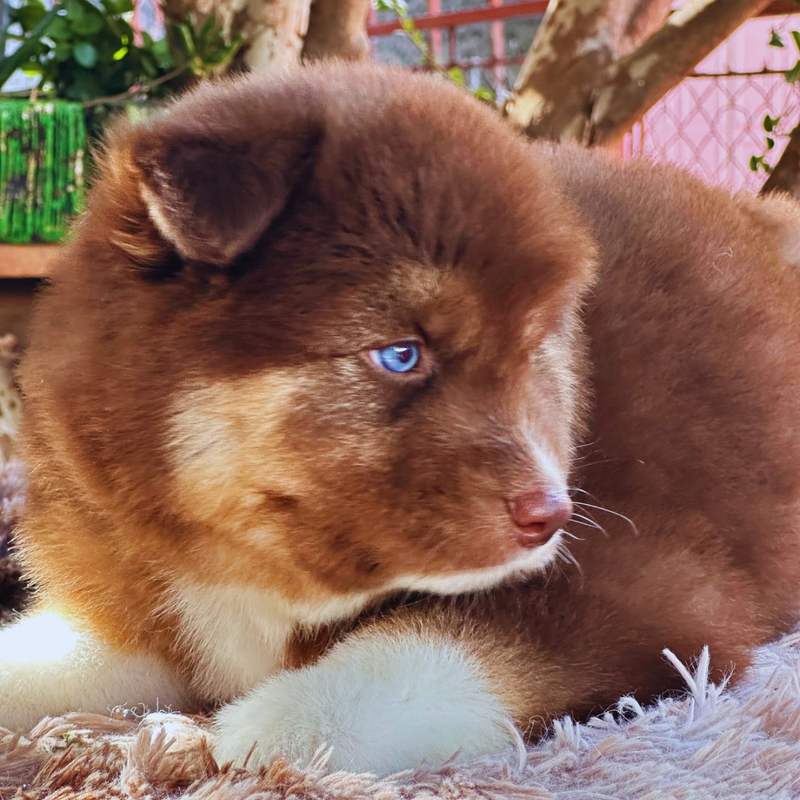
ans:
(27, 260)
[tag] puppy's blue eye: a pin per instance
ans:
(401, 357)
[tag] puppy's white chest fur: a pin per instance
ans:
(237, 636)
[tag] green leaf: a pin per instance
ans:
(754, 162)
(85, 54)
(84, 86)
(457, 75)
(75, 11)
(161, 51)
(124, 31)
(793, 75)
(59, 30)
(796, 37)
(775, 40)
(62, 51)
(29, 14)
(89, 25)
(208, 29)
(9, 64)
(185, 40)
(124, 6)
(149, 64)
(485, 95)
(32, 68)
(770, 143)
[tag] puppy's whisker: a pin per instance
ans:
(584, 465)
(588, 520)
(630, 522)
(582, 491)
(586, 516)
(563, 554)
(589, 524)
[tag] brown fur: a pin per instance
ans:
(200, 407)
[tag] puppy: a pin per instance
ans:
(323, 374)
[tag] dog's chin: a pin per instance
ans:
(527, 563)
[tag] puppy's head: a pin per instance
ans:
(333, 322)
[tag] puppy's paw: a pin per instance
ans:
(49, 667)
(380, 704)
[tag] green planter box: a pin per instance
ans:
(41, 169)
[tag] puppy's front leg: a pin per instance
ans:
(48, 667)
(383, 700)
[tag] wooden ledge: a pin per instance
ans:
(27, 260)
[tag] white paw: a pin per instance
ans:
(48, 667)
(381, 704)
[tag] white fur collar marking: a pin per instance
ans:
(238, 635)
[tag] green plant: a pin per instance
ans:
(775, 127)
(204, 51)
(400, 9)
(85, 51)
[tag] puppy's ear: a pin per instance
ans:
(212, 198)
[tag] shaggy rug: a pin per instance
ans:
(731, 744)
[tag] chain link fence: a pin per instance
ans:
(712, 123)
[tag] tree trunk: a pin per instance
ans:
(595, 92)
(637, 82)
(337, 28)
(278, 29)
(574, 46)
(273, 30)
(785, 177)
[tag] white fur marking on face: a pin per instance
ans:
(238, 635)
(529, 562)
(225, 445)
(381, 703)
(546, 462)
(47, 667)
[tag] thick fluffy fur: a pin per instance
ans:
(232, 499)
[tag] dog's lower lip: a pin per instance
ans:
(533, 537)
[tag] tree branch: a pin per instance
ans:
(572, 50)
(273, 30)
(785, 177)
(337, 29)
(583, 81)
(637, 81)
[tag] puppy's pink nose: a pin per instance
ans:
(538, 515)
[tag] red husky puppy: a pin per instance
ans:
(313, 393)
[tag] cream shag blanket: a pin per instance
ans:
(714, 742)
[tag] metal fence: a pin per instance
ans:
(712, 123)
(486, 39)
